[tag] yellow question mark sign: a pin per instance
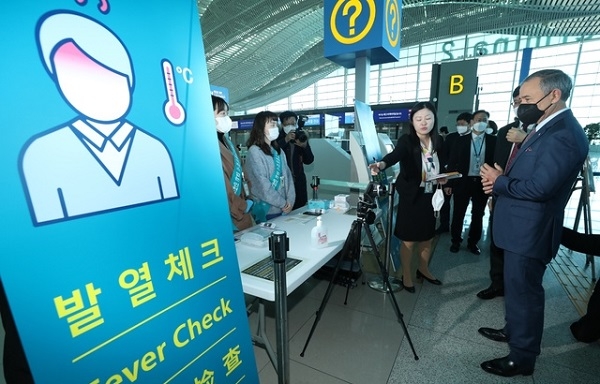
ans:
(393, 35)
(357, 6)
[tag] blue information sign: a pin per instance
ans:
(391, 115)
(116, 248)
(245, 124)
(354, 28)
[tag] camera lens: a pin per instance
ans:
(301, 136)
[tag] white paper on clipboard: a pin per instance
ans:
(448, 175)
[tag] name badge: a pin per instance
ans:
(428, 187)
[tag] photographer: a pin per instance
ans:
(294, 142)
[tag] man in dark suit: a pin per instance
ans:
(531, 195)
(294, 142)
(467, 155)
(462, 128)
(508, 137)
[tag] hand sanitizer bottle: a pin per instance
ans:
(318, 235)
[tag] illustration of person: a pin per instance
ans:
(98, 161)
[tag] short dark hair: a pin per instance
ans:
(516, 92)
(286, 114)
(480, 111)
(466, 116)
(444, 129)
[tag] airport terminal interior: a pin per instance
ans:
(268, 54)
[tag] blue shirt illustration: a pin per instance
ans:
(99, 161)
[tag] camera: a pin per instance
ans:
(367, 202)
(301, 136)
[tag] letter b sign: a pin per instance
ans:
(456, 84)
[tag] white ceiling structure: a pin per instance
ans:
(265, 50)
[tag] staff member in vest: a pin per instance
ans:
(239, 203)
(270, 178)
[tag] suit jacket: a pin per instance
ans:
(533, 192)
(503, 146)
(460, 158)
(408, 153)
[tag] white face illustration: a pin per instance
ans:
(92, 89)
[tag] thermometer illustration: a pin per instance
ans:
(103, 5)
(173, 109)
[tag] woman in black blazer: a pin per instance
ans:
(420, 154)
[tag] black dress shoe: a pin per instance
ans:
(454, 247)
(474, 249)
(504, 366)
(407, 288)
(490, 293)
(494, 334)
(585, 331)
(432, 281)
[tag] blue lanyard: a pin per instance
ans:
(236, 177)
(276, 176)
(477, 154)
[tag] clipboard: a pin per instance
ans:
(447, 175)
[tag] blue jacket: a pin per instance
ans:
(532, 194)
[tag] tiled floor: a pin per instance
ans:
(363, 342)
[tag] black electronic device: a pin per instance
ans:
(366, 203)
(301, 136)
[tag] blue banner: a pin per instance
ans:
(117, 250)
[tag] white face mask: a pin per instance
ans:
(489, 131)
(272, 133)
(515, 109)
(461, 129)
(437, 201)
(223, 124)
(480, 127)
(289, 128)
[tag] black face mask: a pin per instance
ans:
(530, 113)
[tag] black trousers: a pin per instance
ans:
(16, 368)
(470, 190)
(496, 258)
(301, 193)
(445, 213)
(587, 329)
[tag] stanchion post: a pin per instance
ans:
(315, 186)
(279, 245)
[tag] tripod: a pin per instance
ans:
(365, 217)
